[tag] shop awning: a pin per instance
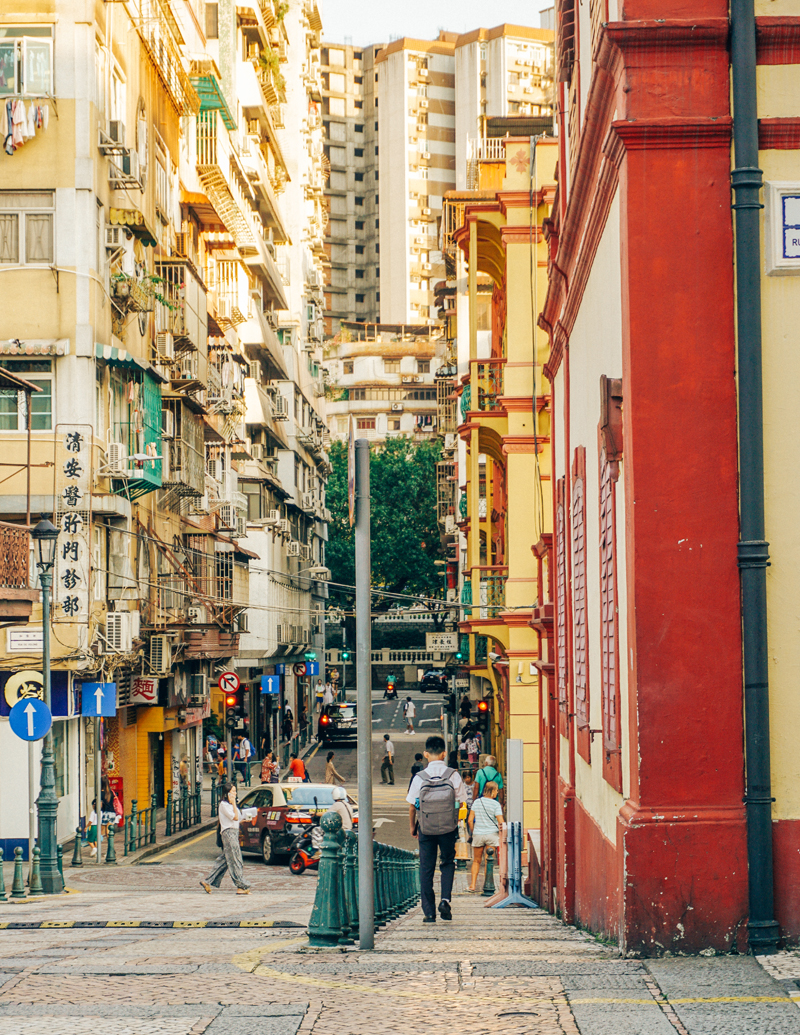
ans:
(117, 357)
(35, 347)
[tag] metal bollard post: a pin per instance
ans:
(35, 886)
(488, 883)
(168, 831)
(213, 795)
(77, 854)
(3, 896)
(133, 828)
(60, 861)
(347, 926)
(111, 855)
(351, 879)
(325, 925)
(18, 887)
(153, 808)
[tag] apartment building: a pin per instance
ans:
(352, 244)
(147, 228)
(384, 376)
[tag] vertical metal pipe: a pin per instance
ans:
(753, 549)
(28, 463)
(366, 911)
(47, 802)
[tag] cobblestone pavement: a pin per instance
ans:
(515, 972)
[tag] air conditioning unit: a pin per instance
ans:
(408, 380)
(199, 685)
(426, 266)
(284, 527)
(116, 236)
(423, 72)
(165, 345)
(189, 367)
(118, 632)
(308, 501)
(167, 424)
(423, 102)
(257, 451)
(426, 212)
(116, 458)
(397, 407)
(280, 408)
(160, 655)
(243, 622)
(223, 309)
(199, 504)
(450, 441)
(116, 131)
(241, 527)
(293, 549)
(196, 615)
(305, 552)
(272, 518)
(254, 370)
(227, 515)
(450, 524)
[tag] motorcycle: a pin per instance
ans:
(305, 850)
(390, 693)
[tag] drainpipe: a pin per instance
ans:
(753, 549)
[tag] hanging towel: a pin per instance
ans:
(32, 120)
(45, 115)
(18, 124)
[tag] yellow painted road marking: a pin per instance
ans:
(251, 959)
(189, 923)
(181, 846)
(57, 923)
(122, 923)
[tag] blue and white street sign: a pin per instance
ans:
(30, 718)
(280, 668)
(270, 684)
(312, 668)
(99, 699)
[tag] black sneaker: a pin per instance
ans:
(429, 919)
(444, 911)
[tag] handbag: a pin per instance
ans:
(219, 835)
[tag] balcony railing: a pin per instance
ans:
(216, 159)
(493, 591)
(490, 384)
(446, 405)
(14, 556)
(183, 313)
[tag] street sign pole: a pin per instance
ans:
(366, 912)
(98, 792)
(31, 806)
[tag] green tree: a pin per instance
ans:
(405, 534)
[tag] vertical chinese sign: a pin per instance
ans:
(73, 508)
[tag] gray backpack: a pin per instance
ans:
(437, 803)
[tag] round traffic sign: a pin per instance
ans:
(30, 719)
(300, 668)
(229, 682)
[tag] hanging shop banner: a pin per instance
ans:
(73, 507)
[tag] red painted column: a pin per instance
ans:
(682, 837)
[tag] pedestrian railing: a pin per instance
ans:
(335, 916)
(183, 810)
(216, 795)
(139, 828)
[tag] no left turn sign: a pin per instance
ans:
(229, 682)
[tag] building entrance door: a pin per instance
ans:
(157, 767)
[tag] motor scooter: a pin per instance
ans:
(305, 850)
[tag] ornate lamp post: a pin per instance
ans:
(45, 536)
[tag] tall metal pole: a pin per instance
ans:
(98, 792)
(753, 549)
(366, 902)
(47, 802)
(31, 805)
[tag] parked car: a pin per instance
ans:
(338, 722)
(284, 809)
(435, 680)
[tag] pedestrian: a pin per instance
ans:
(319, 693)
(297, 767)
(303, 716)
(433, 814)
(264, 744)
(418, 766)
(212, 745)
(249, 756)
(409, 711)
(473, 746)
(487, 772)
(327, 697)
(183, 771)
(469, 786)
(484, 821)
(287, 726)
(331, 776)
(465, 709)
(387, 765)
(341, 806)
(230, 816)
(91, 837)
(222, 761)
(108, 808)
(269, 769)
(240, 758)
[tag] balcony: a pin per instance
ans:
(492, 591)
(16, 596)
(141, 434)
(185, 473)
(182, 310)
(217, 165)
(445, 489)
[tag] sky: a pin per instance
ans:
(363, 21)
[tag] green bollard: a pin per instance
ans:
(394, 890)
(60, 862)
(77, 854)
(325, 925)
(153, 807)
(377, 870)
(488, 883)
(111, 855)
(347, 927)
(35, 886)
(168, 831)
(351, 880)
(3, 896)
(132, 828)
(18, 887)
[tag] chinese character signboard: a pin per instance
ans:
(73, 507)
(144, 690)
(443, 641)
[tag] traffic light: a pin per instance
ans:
(484, 715)
(231, 709)
(450, 704)
(345, 655)
(310, 655)
(460, 656)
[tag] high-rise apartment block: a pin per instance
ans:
(350, 126)
(417, 115)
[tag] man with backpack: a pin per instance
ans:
(488, 771)
(433, 799)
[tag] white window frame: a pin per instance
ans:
(22, 214)
(24, 48)
(35, 376)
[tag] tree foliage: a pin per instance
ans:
(405, 535)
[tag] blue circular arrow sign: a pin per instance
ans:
(30, 718)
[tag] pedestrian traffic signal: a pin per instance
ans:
(459, 655)
(310, 655)
(345, 655)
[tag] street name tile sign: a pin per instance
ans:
(30, 719)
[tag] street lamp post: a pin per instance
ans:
(45, 536)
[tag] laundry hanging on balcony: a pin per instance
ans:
(19, 123)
